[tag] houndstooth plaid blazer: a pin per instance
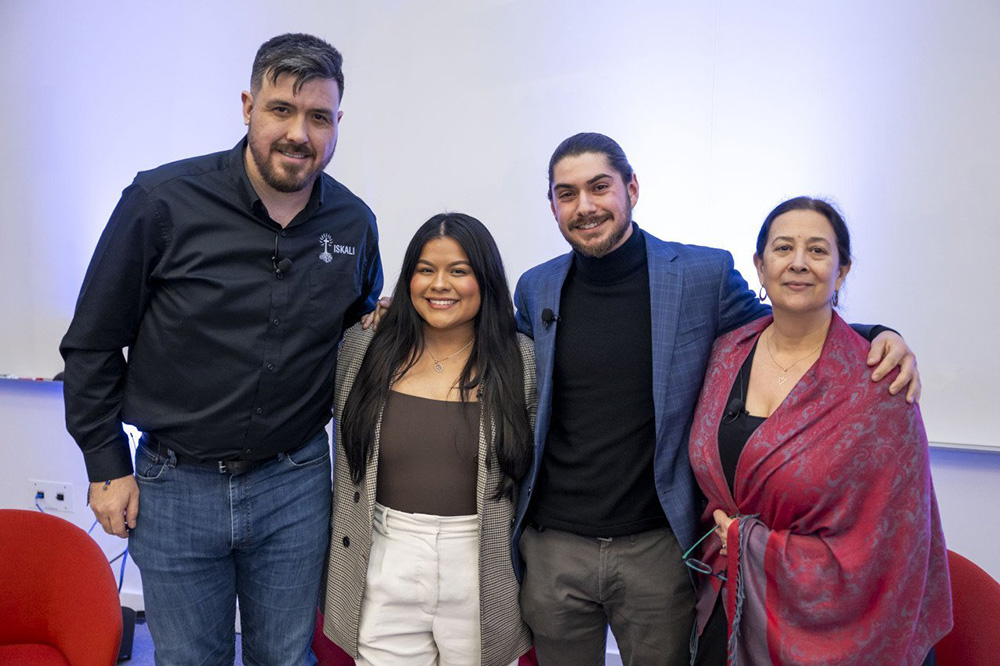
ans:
(504, 634)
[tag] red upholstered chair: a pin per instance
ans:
(327, 652)
(528, 659)
(58, 598)
(975, 597)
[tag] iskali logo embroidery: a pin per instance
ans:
(325, 240)
(328, 245)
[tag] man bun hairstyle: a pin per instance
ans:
(592, 142)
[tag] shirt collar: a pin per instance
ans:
(251, 199)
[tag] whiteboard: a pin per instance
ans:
(725, 109)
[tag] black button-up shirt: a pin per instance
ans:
(231, 322)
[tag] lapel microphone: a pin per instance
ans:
(733, 410)
(735, 406)
(281, 265)
(548, 316)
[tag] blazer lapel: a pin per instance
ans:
(487, 434)
(549, 296)
(350, 357)
(665, 290)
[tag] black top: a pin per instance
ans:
(596, 476)
(737, 425)
(428, 456)
(229, 357)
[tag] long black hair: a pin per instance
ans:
(494, 369)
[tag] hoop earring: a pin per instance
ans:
(836, 297)
(762, 294)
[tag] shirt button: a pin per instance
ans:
(270, 367)
(284, 233)
(357, 496)
(275, 321)
(259, 410)
(249, 450)
(347, 542)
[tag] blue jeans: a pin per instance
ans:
(204, 539)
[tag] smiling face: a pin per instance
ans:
(443, 289)
(292, 134)
(592, 204)
(801, 268)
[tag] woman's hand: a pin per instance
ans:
(722, 522)
(375, 316)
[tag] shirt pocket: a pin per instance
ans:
(332, 291)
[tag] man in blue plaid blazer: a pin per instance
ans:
(623, 326)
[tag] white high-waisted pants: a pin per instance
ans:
(421, 601)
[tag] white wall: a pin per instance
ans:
(34, 446)
(725, 108)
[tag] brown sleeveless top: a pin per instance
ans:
(428, 455)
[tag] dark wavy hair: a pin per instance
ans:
(494, 369)
(824, 208)
(303, 56)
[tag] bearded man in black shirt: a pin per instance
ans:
(229, 278)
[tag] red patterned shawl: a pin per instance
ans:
(840, 558)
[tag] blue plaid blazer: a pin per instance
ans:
(695, 295)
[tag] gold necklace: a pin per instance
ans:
(437, 362)
(784, 371)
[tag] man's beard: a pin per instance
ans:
(604, 247)
(283, 179)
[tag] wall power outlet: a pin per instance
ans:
(53, 495)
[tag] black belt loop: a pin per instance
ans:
(153, 445)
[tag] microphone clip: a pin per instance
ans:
(280, 266)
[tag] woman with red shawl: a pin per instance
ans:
(825, 544)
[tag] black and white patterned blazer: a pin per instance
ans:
(504, 634)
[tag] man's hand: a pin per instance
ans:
(375, 316)
(889, 350)
(115, 504)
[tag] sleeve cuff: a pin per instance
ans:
(112, 463)
(878, 329)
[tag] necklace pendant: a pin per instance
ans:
(781, 380)
(438, 367)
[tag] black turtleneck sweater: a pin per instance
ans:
(596, 477)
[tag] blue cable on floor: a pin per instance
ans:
(121, 574)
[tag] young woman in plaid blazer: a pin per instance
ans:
(430, 580)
